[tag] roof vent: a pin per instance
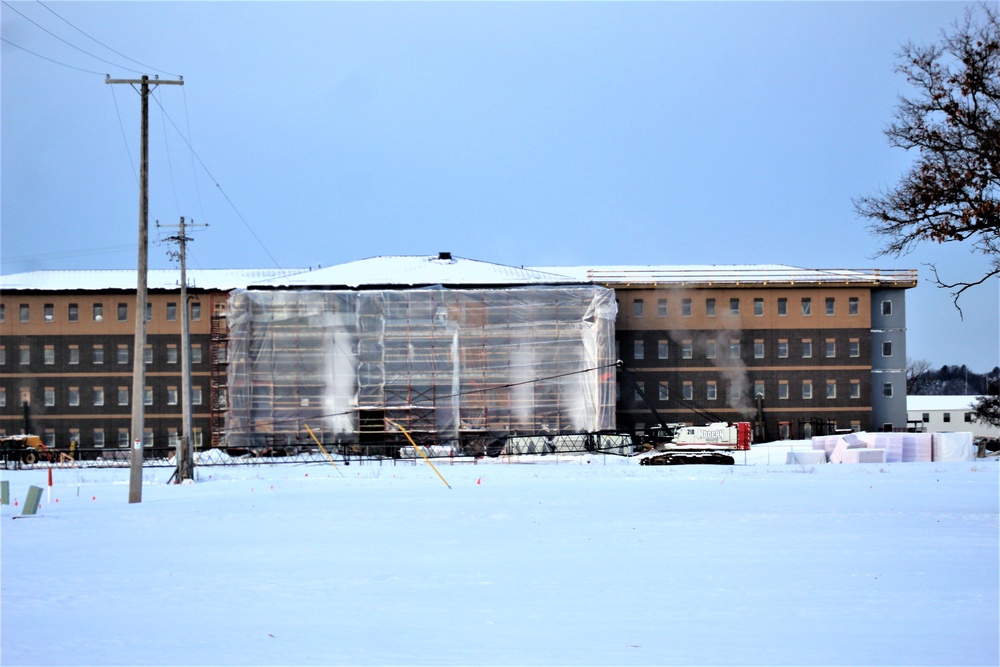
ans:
(444, 256)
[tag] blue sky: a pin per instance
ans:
(518, 133)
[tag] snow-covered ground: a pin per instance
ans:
(566, 561)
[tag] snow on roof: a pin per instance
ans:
(410, 270)
(931, 403)
(732, 273)
(125, 279)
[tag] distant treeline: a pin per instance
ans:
(950, 381)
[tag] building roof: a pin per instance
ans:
(735, 274)
(125, 279)
(418, 270)
(932, 403)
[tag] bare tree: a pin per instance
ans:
(952, 191)
(918, 376)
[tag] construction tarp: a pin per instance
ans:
(445, 364)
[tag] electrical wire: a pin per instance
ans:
(51, 60)
(166, 147)
(46, 30)
(128, 152)
(117, 53)
(217, 184)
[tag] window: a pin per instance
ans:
(50, 438)
(171, 311)
(195, 311)
(887, 348)
(710, 307)
(173, 439)
(147, 438)
(710, 349)
(3, 355)
(758, 388)
(24, 313)
(887, 308)
(640, 392)
(661, 307)
(171, 354)
(149, 312)
(49, 312)
(782, 306)
(831, 348)
(758, 307)
(99, 315)
(735, 350)
(25, 395)
(637, 308)
(638, 349)
(854, 347)
(687, 350)
(852, 305)
(807, 389)
(171, 395)
(3, 397)
(123, 354)
(807, 348)
(664, 392)
(98, 354)
(147, 354)
(122, 395)
(196, 354)
(74, 354)
(662, 350)
(73, 312)
(74, 396)
(855, 388)
(783, 348)
(98, 396)
(968, 417)
(3, 312)
(123, 312)
(887, 389)
(734, 306)
(806, 306)
(198, 440)
(734, 393)
(686, 307)
(196, 395)
(24, 355)
(758, 348)
(831, 389)
(98, 437)
(123, 437)
(50, 396)
(147, 396)
(831, 308)
(711, 391)
(783, 390)
(925, 417)
(49, 354)
(688, 391)
(946, 417)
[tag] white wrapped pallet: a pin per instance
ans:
(844, 443)
(892, 443)
(864, 456)
(916, 447)
(953, 446)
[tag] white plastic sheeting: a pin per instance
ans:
(898, 447)
(446, 364)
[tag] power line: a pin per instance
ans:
(217, 185)
(51, 60)
(46, 30)
(124, 138)
(118, 53)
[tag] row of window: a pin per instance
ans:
(805, 305)
(945, 416)
(73, 396)
(733, 349)
(99, 439)
(97, 312)
(97, 354)
(735, 390)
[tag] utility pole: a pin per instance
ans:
(139, 361)
(185, 454)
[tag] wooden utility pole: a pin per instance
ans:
(139, 353)
(185, 454)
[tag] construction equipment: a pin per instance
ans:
(679, 443)
(26, 449)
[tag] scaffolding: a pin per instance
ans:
(461, 370)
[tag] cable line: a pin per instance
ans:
(38, 55)
(118, 53)
(40, 27)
